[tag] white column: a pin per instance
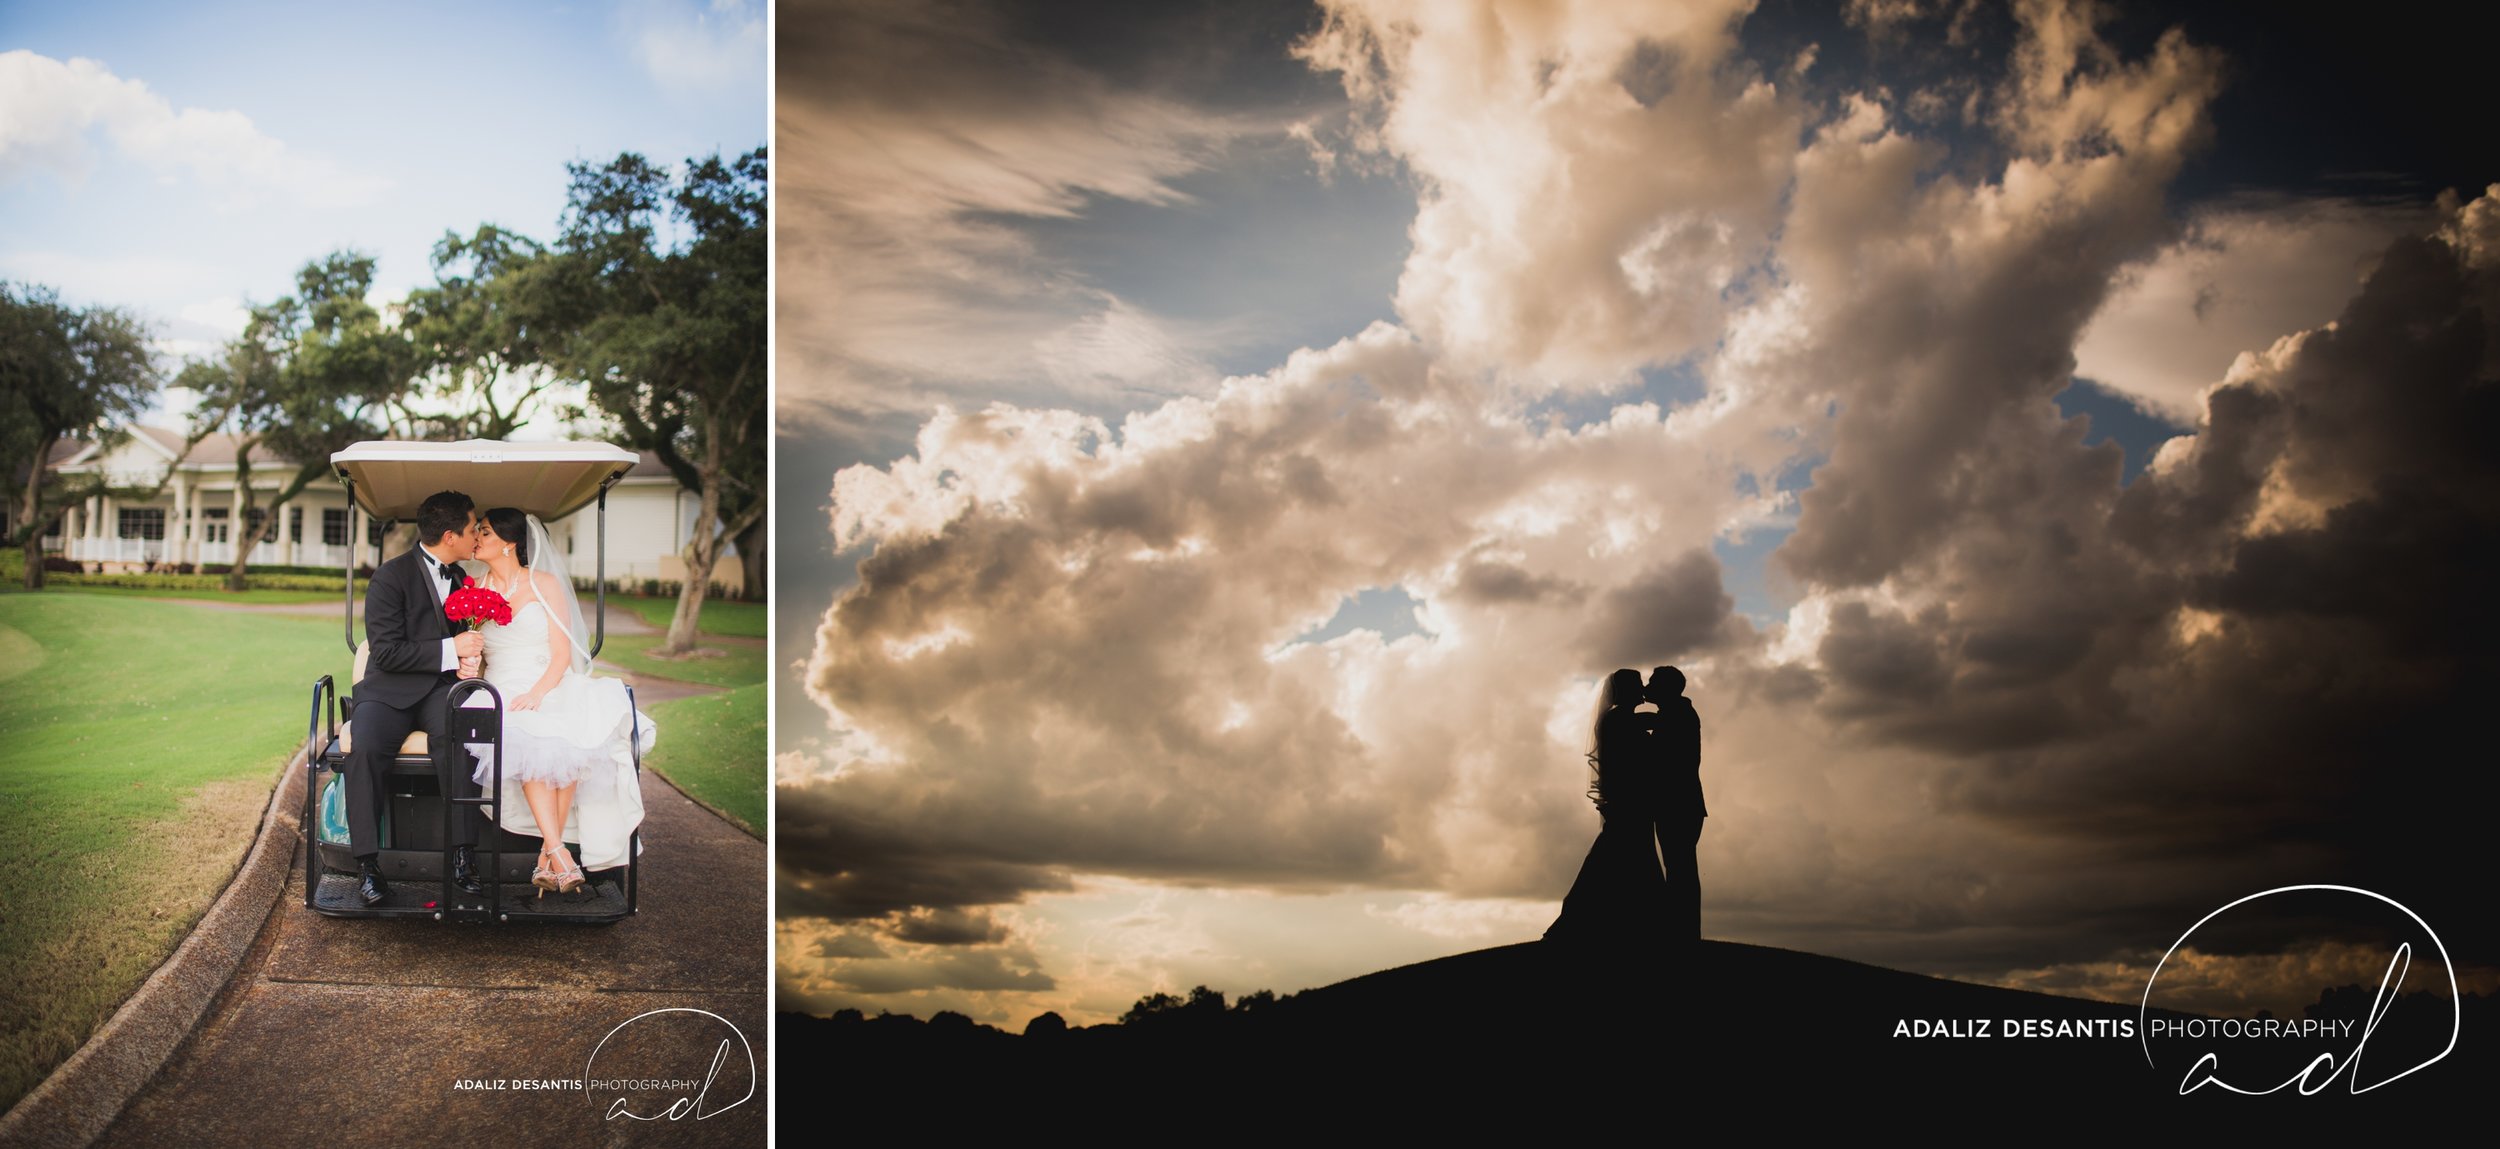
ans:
(176, 536)
(286, 535)
(198, 529)
(112, 528)
(356, 533)
(92, 502)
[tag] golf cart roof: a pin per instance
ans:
(550, 480)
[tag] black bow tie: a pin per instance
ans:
(452, 576)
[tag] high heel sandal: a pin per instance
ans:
(543, 877)
(570, 877)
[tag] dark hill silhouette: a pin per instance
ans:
(1535, 1030)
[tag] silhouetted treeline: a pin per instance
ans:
(1531, 1031)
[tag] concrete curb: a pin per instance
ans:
(81, 1098)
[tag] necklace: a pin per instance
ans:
(507, 590)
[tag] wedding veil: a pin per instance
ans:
(564, 608)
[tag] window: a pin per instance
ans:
(334, 526)
(213, 525)
(295, 524)
(142, 523)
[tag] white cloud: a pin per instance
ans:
(1596, 188)
(109, 279)
(2241, 277)
(1121, 348)
(1479, 920)
(910, 142)
(51, 111)
(698, 47)
(1117, 599)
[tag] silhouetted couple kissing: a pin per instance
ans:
(1639, 885)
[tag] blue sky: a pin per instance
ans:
(210, 150)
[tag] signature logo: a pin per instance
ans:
(2263, 1038)
(665, 1065)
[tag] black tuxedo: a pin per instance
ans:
(1676, 747)
(404, 689)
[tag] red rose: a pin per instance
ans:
(476, 606)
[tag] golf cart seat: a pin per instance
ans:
(416, 745)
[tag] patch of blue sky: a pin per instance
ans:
(1388, 611)
(1261, 259)
(1666, 387)
(1762, 591)
(393, 124)
(2115, 417)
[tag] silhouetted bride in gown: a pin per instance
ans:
(1621, 894)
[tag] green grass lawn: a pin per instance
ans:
(142, 741)
(740, 665)
(712, 747)
(138, 743)
(720, 616)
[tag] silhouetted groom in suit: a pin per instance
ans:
(1676, 740)
(413, 656)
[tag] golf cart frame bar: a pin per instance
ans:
(599, 636)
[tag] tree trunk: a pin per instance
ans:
(240, 530)
(397, 540)
(751, 543)
(702, 550)
(31, 520)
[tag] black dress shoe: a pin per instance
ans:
(369, 884)
(464, 872)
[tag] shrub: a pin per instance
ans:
(200, 582)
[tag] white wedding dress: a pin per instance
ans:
(579, 734)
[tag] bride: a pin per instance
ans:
(1620, 901)
(565, 733)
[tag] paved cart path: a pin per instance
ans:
(419, 1033)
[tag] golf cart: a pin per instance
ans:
(388, 480)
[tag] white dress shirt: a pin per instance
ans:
(434, 578)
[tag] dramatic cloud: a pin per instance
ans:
(1075, 638)
(1940, 315)
(912, 137)
(2240, 668)
(2026, 717)
(1599, 182)
(2240, 278)
(51, 111)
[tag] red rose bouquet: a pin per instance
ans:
(476, 606)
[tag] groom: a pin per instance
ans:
(414, 654)
(1676, 741)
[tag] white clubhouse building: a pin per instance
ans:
(191, 521)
